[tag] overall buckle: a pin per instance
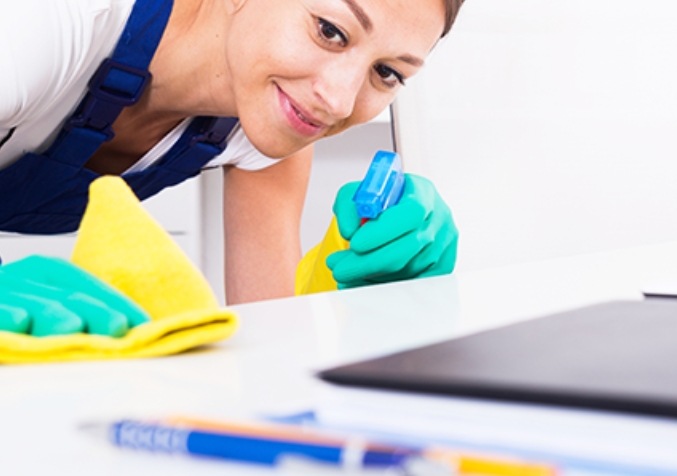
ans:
(113, 87)
(215, 131)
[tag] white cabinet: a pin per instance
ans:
(337, 160)
(14, 246)
(176, 209)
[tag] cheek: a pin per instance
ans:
(365, 110)
(249, 46)
(370, 103)
(273, 43)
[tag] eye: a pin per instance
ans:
(389, 76)
(330, 33)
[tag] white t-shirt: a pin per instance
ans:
(48, 52)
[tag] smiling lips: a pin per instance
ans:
(298, 119)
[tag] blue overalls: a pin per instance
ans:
(47, 193)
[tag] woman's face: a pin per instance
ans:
(301, 70)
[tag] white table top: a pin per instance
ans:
(267, 367)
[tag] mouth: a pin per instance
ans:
(304, 119)
(299, 119)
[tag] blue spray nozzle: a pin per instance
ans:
(382, 186)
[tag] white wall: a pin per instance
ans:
(550, 126)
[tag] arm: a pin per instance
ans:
(262, 216)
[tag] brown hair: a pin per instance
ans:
(451, 10)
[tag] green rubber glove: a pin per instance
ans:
(45, 296)
(413, 239)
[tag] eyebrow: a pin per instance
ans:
(360, 15)
(412, 60)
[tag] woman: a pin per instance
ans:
(291, 71)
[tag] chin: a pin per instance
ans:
(275, 149)
(273, 145)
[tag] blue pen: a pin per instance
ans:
(382, 186)
(252, 444)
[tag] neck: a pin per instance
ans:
(188, 68)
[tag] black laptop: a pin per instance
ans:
(619, 356)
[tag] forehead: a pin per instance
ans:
(417, 22)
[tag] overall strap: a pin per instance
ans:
(204, 139)
(119, 82)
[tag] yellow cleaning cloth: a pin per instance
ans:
(312, 273)
(121, 244)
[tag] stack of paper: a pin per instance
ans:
(583, 439)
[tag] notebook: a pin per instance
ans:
(619, 356)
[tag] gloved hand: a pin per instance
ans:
(415, 238)
(50, 296)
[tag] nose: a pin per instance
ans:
(337, 86)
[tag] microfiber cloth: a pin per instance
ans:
(121, 244)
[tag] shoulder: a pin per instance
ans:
(49, 45)
(50, 50)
